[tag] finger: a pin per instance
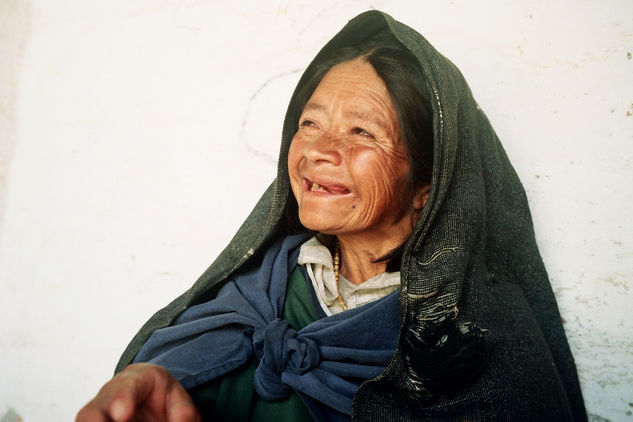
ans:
(180, 406)
(131, 387)
(100, 408)
(91, 413)
(183, 412)
(121, 409)
(117, 399)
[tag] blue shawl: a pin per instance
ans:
(325, 362)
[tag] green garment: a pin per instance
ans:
(232, 397)
(470, 263)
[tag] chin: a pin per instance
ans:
(317, 223)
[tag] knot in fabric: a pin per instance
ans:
(279, 350)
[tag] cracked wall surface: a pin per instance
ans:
(136, 135)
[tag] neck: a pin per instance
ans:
(358, 254)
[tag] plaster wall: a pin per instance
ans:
(136, 135)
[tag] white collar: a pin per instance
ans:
(318, 261)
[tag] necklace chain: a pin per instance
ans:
(337, 265)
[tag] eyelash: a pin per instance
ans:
(362, 132)
(357, 130)
(307, 123)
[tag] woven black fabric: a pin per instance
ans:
(481, 336)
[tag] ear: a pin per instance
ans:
(421, 196)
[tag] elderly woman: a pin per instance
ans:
(400, 281)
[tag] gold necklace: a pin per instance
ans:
(337, 262)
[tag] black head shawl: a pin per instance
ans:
(481, 335)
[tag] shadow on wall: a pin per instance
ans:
(14, 32)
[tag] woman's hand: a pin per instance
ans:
(141, 392)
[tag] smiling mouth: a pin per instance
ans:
(331, 189)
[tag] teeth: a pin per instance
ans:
(315, 186)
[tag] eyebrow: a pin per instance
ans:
(352, 113)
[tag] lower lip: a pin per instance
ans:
(322, 193)
(325, 195)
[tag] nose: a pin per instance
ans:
(325, 148)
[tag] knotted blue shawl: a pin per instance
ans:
(325, 362)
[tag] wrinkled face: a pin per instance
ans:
(347, 164)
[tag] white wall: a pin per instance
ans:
(135, 135)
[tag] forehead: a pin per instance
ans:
(354, 76)
(355, 90)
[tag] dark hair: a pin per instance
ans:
(403, 76)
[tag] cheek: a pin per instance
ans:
(293, 158)
(379, 174)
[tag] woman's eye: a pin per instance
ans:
(307, 123)
(362, 132)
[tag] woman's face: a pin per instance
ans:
(347, 164)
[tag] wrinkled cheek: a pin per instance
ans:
(390, 190)
(292, 157)
(384, 173)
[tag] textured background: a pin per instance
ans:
(135, 136)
